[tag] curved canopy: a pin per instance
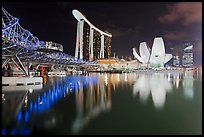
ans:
(79, 16)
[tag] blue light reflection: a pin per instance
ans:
(49, 98)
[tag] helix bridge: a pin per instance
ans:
(21, 47)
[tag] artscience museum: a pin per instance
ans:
(157, 58)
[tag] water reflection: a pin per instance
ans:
(157, 84)
(14, 98)
(177, 77)
(96, 99)
(188, 84)
(45, 109)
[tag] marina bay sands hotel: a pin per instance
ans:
(91, 42)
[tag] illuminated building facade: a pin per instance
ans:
(85, 42)
(187, 58)
(107, 47)
(53, 46)
(176, 61)
(96, 45)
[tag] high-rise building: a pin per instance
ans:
(107, 46)
(96, 45)
(187, 58)
(86, 34)
(176, 61)
(91, 43)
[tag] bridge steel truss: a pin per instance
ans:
(21, 47)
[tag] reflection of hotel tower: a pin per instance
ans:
(90, 103)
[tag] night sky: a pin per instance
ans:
(129, 23)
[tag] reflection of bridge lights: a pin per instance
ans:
(3, 132)
(51, 97)
(26, 116)
(26, 101)
(35, 107)
(31, 106)
(3, 97)
(13, 131)
(19, 116)
(38, 98)
(30, 90)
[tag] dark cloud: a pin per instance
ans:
(185, 13)
(175, 35)
(198, 45)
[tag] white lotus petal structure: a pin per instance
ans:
(157, 58)
(144, 52)
(137, 56)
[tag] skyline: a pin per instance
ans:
(129, 23)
